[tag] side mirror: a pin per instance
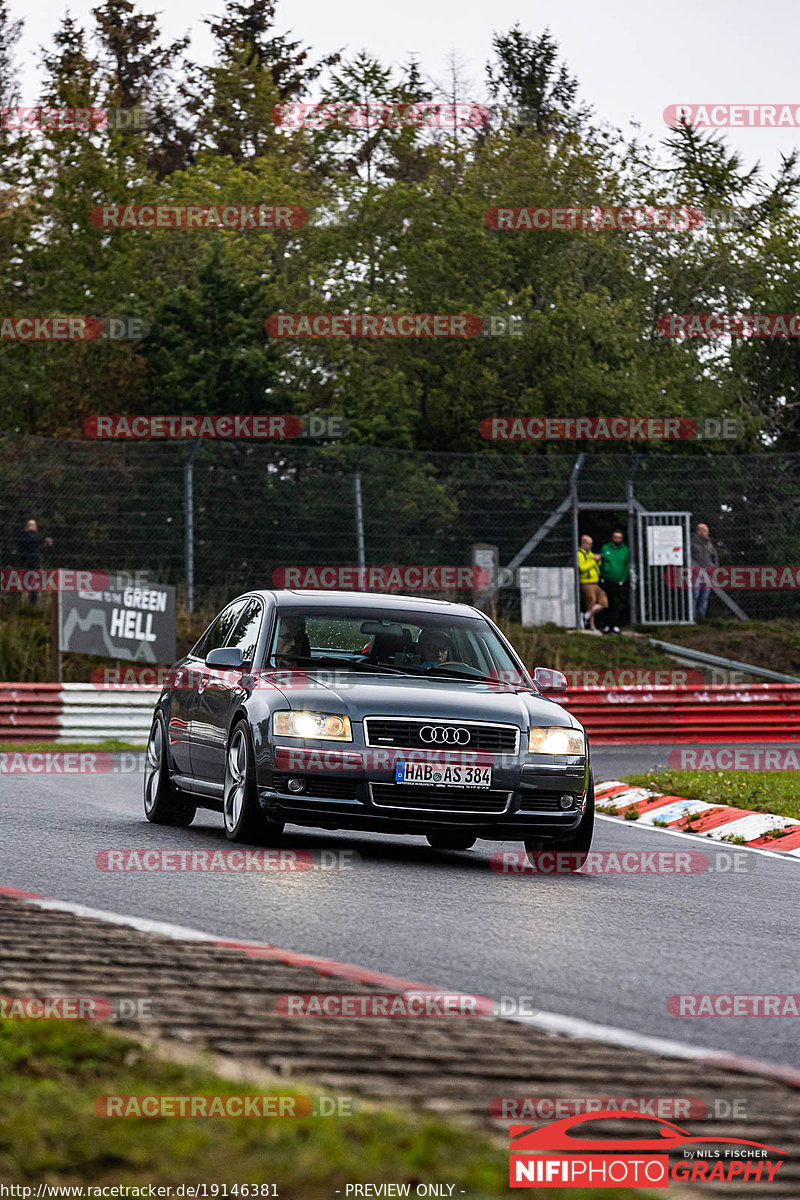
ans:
(547, 680)
(229, 658)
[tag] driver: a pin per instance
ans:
(292, 642)
(433, 648)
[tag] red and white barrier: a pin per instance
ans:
(761, 712)
(74, 712)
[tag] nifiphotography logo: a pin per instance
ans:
(550, 1156)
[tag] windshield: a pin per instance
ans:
(367, 639)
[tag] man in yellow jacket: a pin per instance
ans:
(593, 598)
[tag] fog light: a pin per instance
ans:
(567, 801)
(296, 785)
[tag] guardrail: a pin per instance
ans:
(74, 712)
(760, 712)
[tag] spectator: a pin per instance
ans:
(615, 569)
(29, 550)
(593, 598)
(704, 554)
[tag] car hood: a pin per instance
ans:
(445, 699)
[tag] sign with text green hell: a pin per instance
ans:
(127, 619)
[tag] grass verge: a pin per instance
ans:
(51, 1073)
(761, 791)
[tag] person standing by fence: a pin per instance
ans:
(593, 598)
(704, 554)
(29, 550)
(615, 569)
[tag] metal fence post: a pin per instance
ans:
(362, 561)
(576, 536)
(188, 503)
(634, 565)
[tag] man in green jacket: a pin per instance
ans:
(615, 569)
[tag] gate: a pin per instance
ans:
(663, 541)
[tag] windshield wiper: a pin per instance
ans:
(383, 669)
(452, 673)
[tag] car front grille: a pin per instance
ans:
(427, 799)
(405, 733)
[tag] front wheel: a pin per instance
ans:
(163, 803)
(577, 845)
(450, 841)
(241, 812)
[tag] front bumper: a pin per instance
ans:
(353, 788)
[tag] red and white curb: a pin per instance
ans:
(552, 1023)
(721, 822)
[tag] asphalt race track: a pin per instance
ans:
(605, 948)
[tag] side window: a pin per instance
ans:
(248, 627)
(216, 634)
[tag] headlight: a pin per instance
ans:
(329, 726)
(556, 740)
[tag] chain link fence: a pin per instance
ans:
(258, 507)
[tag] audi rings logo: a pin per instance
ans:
(444, 735)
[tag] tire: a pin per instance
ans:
(163, 803)
(450, 841)
(241, 813)
(577, 844)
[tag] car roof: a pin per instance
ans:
(309, 597)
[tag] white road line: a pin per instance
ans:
(784, 856)
(611, 1035)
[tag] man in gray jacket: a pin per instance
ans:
(704, 554)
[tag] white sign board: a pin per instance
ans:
(665, 545)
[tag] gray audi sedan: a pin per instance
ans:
(352, 710)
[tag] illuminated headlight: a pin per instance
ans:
(328, 726)
(556, 740)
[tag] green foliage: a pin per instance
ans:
(397, 224)
(52, 1072)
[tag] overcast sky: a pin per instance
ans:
(632, 60)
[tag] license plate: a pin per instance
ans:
(442, 775)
